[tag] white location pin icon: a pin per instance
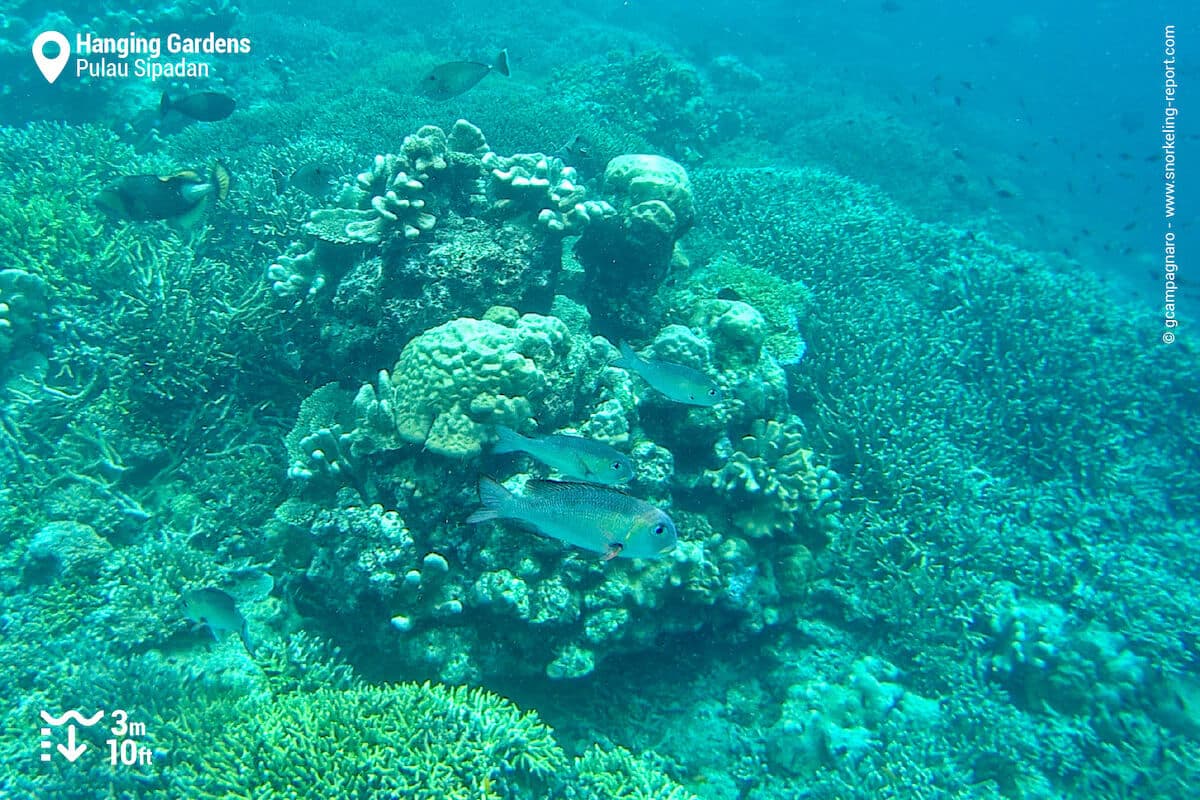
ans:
(51, 67)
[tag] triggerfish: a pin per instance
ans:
(593, 517)
(182, 197)
(452, 79)
(202, 106)
(216, 610)
(573, 456)
(678, 382)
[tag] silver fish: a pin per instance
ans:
(216, 610)
(573, 456)
(313, 178)
(679, 383)
(595, 518)
(454, 78)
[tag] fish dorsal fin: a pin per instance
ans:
(501, 64)
(547, 486)
(183, 174)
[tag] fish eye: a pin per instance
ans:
(712, 392)
(659, 530)
(616, 465)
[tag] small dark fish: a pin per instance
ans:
(217, 610)
(315, 178)
(1129, 226)
(182, 197)
(454, 78)
(202, 106)
(577, 147)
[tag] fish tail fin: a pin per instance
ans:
(628, 359)
(509, 441)
(501, 64)
(279, 179)
(220, 179)
(493, 496)
(164, 105)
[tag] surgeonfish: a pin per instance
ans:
(575, 457)
(182, 197)
(454, 78)
(676, 381)
(217, 610)
(596, 518)
(201, 106)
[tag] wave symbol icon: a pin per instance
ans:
(73, 715)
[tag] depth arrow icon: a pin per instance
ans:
(70, 750)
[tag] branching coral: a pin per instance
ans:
(542, 187)
(617, 774)
(424, 742)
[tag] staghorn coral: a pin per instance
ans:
(772, 485)
(617, 774)
(419, 741)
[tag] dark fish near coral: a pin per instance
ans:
(216, 610)
(573, 456)
(577, 146)
(202, 106)
(452, 79)
(315, 178)
(182, 197)
(593, 517)
(678, 382)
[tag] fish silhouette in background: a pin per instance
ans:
(453, 78)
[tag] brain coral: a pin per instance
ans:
(454, 382)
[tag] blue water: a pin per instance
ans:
(913, 426)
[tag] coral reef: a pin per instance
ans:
(634, 246)
(454, 382)
(432, 742)
(931, 447)
(24, 305)
(771, 485)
